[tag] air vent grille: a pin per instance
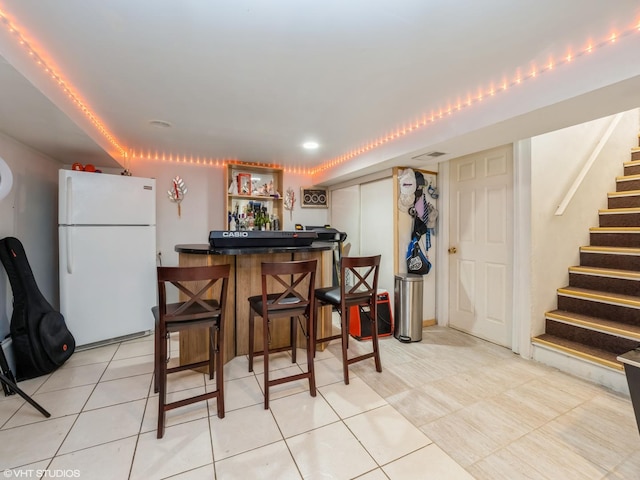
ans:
(429, 154)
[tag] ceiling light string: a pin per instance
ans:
(472, 100)
(165, 157)
(60, 83)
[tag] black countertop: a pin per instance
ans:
(206, 249)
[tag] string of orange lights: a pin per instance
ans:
(128, 154)
(470, 101)
(64, 86)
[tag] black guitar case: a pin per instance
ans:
(41, 340)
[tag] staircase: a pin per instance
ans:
(598, 314)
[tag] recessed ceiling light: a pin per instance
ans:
(159, 124)
(310, 145)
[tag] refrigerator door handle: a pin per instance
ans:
(69, 200)
(67, 243)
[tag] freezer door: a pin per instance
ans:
(107, 281)
(86, 198)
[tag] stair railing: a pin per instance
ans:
(588, 164)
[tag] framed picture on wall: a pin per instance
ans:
(244, 184)
(314, 198)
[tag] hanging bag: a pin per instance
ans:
(417, 261)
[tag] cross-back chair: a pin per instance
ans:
(295, 282)
(358, 287)
(198, 309)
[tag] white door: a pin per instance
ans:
(481, 245)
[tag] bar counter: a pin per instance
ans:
(245, 281)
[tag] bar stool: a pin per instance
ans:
(298, 280)
(196, 312)
(363, 273)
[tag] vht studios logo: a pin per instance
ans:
(235, 234)
(32, 473)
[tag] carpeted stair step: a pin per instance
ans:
(627, 182)
(624, 199)
(629, 333)
(619, 258)
(632, 168)
(592, 354)
(605, 280)
(619, 217)
(609, 306)
(635, 152)
(591, 338)
(615, 236)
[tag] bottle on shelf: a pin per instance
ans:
(257, 221)
(264, 199)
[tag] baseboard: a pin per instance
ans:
(429, 323)
(593, 372)
(110, 341)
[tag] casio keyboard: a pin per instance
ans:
(260, 238)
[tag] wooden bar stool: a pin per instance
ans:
(296, 300)
(362, 272)
(198, 311)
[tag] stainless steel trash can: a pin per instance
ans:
(407, 293)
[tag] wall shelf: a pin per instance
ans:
(254, 177)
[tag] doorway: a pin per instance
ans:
(481, 245)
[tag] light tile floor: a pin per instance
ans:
(449, 407)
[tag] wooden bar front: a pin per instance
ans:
(245, 281)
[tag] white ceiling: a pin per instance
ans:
(253, 79)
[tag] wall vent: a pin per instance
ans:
(428, 154)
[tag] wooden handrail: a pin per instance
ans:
(587, 165)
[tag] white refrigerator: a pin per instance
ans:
(107, 238)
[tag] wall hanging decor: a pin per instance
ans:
(290, 201)
(177, 192)
(314, 198)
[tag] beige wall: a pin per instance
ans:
(30, 213)
(202, 209)
(556, 160)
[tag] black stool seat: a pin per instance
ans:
(331, 295)
(286, 303)
(192, 313)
